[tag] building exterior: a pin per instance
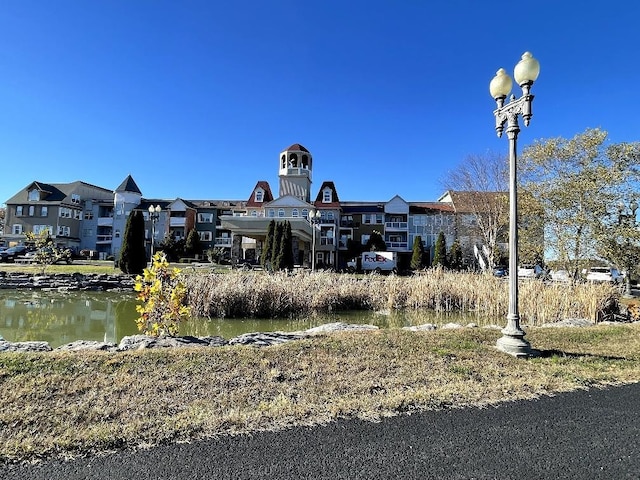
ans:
(87, 217)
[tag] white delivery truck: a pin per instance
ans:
(374, 262)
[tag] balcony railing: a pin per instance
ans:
(397, 245)
(177, 221)
(396, 225)
(104, 238)
(105, 221)
(223, 241)
(326, 241)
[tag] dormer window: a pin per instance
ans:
(34, 195)
(259, 195)
(75, 198)
(326, 196)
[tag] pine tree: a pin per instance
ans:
(418, 252)
(455, 255)
(193, 246)
(133, 254)
(265, 259)
(275, 248)
(288, 247)
(376, 243)
(440, 256)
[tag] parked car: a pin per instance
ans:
(560, 276)
(604, 274)
(10, 254)
(246, 263)
(501, 272)
(530, 271)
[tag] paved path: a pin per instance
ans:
(591, 434)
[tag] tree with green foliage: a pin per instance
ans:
(193, 246)
(133, 254)
(440, 255)
(172, 248)
(577, 185)
(46, 251)
(417, 253)
(277, 245)
(265, 257)
(376, 243)
(455, 256)
(287, 253)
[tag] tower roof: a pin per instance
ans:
(128, 185)
(297, 146)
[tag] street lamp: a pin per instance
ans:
(627, 220)
(154, 214)
(526, 72)
(314, 219)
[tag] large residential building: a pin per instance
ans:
(86, 217)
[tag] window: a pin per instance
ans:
(281, 212)
(64, 212)
(63, 231)
(254, 213)
(330, 216)
(88, 215)
(19, 211)
(77, 214)
(294, 213)
(364, 239)
(34, 195)
(305, 213)
(379, 218)
(326, 195)
(32, 210)
(44, 211)
(17, 229)
(272, 213)
(205, 218)
(117, 234)
(75, 198)
(205, 236)
(259, 195)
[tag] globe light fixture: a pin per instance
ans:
(154, 214)
(314, 219)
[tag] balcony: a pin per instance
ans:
(105, 221)
(102, 239)
(396, 226)
(397, 246)
(223, 241)
(177, 221)
(327, 241)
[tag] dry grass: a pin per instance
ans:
(65, 403)
(262, 295)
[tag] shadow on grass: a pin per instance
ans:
(560, 353)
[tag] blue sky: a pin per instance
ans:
(195, 99)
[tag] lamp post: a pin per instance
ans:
(526, 72)
(154, 214)
(627, 220)
(314, 219)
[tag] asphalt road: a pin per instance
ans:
(592, 434)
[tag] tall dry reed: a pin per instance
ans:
(264, 295)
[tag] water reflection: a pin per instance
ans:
(60, 318)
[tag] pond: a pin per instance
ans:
(61, 318)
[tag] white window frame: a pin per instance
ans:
(281, 213)
(33, 195)
(206, 236)
(326, 195)
(259, 195)
(44, 211)
(19, 210)
(16, 229)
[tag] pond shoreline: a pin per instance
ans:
(67, 282)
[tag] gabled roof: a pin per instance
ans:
(267, 197)
(288, 201)
(430, 207)
(128, 185)
(335, 201)
(471, 201)
(54, 192)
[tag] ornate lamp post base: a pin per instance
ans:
(516, 345)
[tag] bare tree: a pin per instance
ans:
(478, 189)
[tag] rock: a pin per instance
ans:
(339, 327)
(24, 347)
(427, 327)
(87, 345)
(266, 339)
(140, 342)
(451, 326)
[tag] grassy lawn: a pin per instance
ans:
(70, 403)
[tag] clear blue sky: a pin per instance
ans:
(195, 99)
